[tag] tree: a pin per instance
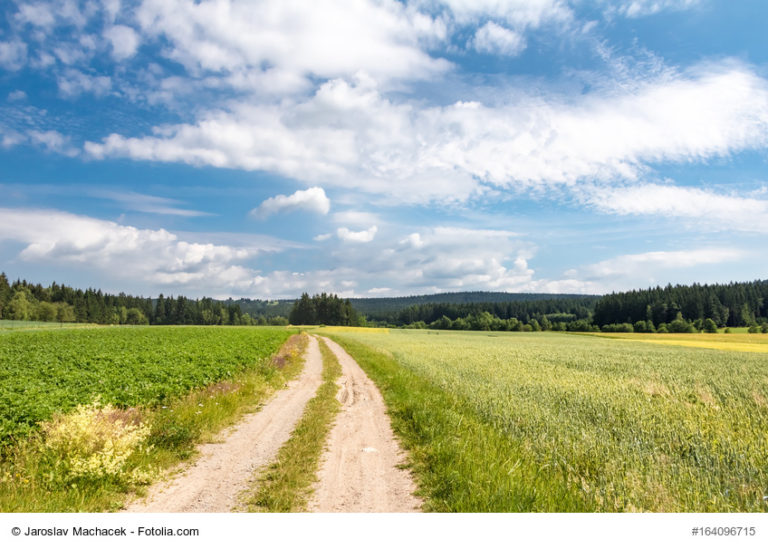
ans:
(5, 294)
(21, 305)
(710, 326)
(135, 316)
(46, 311)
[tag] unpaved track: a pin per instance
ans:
(359, 471)
(223, 470)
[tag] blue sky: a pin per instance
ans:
(382, 147)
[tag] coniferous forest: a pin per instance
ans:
(679, 308)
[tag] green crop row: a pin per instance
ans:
(50, 371)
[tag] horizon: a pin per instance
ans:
(383, 148)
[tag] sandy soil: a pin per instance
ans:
(224, 469)
(359, 471)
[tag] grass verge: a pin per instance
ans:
(461, 463)
(286, 484)
(38, 476)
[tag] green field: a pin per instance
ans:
(48, 371)
(562, 422)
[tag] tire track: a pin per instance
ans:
(360, 469)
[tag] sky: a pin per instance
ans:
(370, 148)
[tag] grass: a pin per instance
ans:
(8, 325)
(286, 484)
(31, 478)
(555, 422)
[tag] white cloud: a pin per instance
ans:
(517, 13)
(53, 141)
(324, 38)
(349, 135)
(73, 83)
(440, 259)
(322, 237)
(379, 291)
(495, 39)
(710, 209)
(122, 251)
(650, 263)
(356, 218)
(38, 14)
(311, 200)
(124, 41)
(357, 236)
(13, 55)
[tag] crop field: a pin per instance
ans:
(562, 422)
(47, 371)
(744, 342)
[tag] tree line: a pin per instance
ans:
(22, 300)
(727, 305)
(678, 308)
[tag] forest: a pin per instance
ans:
(22, 300)
(692, 308)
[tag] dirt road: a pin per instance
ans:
(359, 471)
(223, 470)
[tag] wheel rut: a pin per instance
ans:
(361, 468)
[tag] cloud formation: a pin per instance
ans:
(356, 236)
(124, 251)
(311, 200)
(495, 39)
(714, 211)
(402, 151)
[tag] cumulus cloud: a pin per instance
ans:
(356, 236)
(124, 41)
(311, 200)
(295, 39)
(13, 55)
(712, 210)
(122, 251)
(440, 259)
(495, 39)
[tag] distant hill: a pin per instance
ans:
(384, 308)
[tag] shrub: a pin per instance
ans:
(623, 327)
(681, 326)
(709, 326)
(95, 442)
